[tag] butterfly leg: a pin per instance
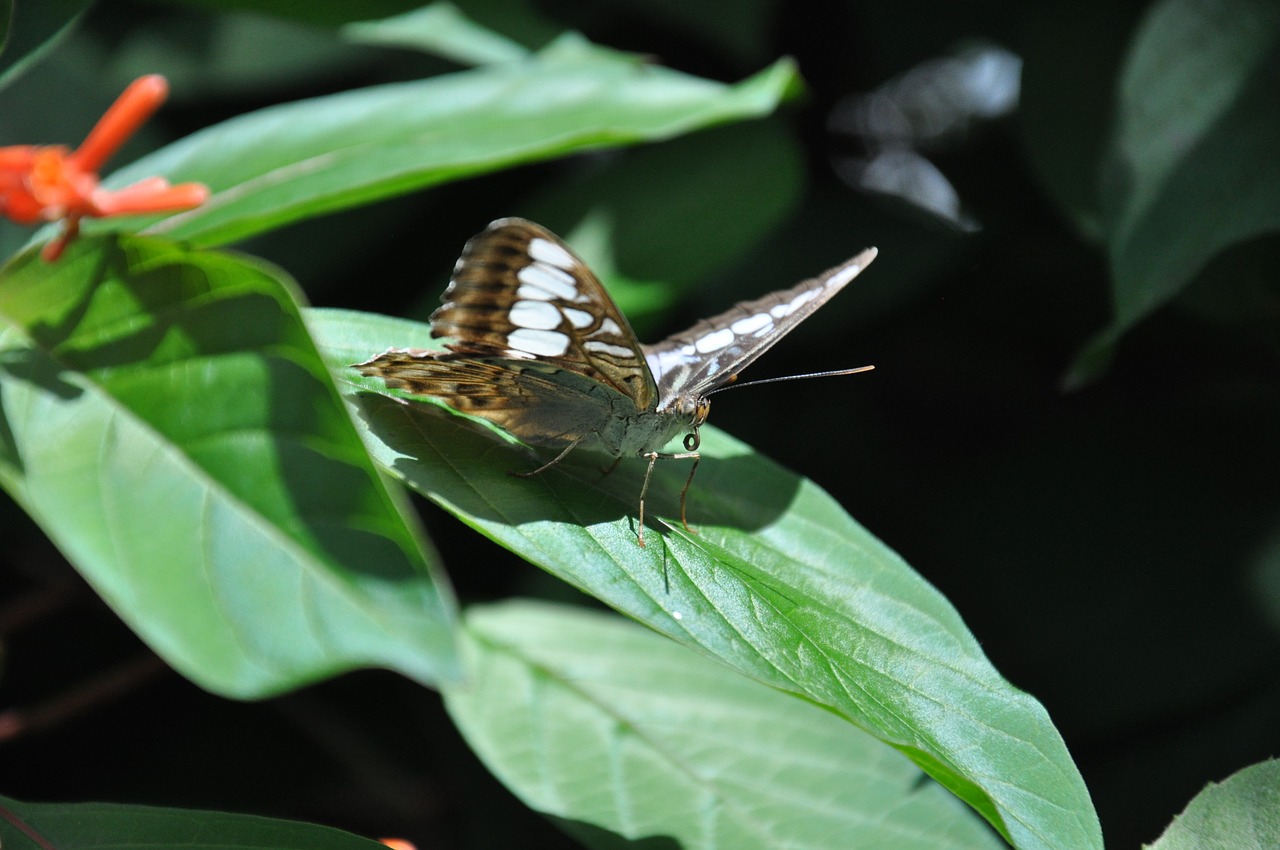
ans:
(644, 488)
(551, 462)
(684, 492)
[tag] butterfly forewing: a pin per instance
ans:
(519, 292)
(714, 351)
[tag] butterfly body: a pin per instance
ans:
(541, 350)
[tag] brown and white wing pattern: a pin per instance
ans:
(539, 404)
(518, 289)
(713, 352)
(537, 345)
(538, 348)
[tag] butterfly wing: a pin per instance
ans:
(519, 290)
(537, 403)
(538, 346)
(714, 351)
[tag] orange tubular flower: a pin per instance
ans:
(49, 183)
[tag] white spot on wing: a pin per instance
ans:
(714, 341)
(534, 292)
(609, 326)
(605, 348)
(540, 342)
(781, 311)
(579, 318)
(534, 314)
(557, 282)
(549, 252)
(845, 275)
(751, 324)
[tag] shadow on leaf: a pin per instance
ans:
(467, 467)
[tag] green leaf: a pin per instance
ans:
(165, 418)
(302, 159)
(1242, 813)
(440, 28)
(1192, 168)
(592, 720)
(94, 826)
(779, 583)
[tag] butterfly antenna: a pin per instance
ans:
(832, 374)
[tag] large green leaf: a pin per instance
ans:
(779, 583)
(606, 726)
(97, 826)
(1241, 813)
(1192, 168)
(301, 159)
(166, 419)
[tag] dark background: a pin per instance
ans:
(1116, 548)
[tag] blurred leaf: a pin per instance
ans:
(165, 418)
(82, 826)
(27, 33)
(252, 56)
(329, 12)
(778, 583)
(1193, 168)
(589, 718)
(1067, 104)
(302, 159)
(1241, 813)
(440, 28)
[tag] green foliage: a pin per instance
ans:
(192, 439)
(81, 826)
(169, 423)
(778, 583)
(290, 162)
(637, 736)
(1195, 125)
(1241, 813)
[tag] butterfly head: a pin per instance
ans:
(693, 410)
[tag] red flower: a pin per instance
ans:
(49, 182)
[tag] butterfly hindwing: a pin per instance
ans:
(535, 402)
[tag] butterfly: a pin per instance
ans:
(540, 350)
